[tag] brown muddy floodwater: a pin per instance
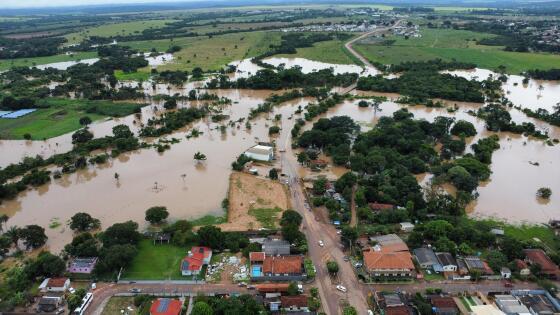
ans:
(190, 190)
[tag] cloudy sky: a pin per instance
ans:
(53, 3)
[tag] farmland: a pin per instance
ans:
(454, 44)
(6, 64)
(107, 30)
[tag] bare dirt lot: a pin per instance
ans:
(249, 193)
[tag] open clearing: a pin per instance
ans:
(61, 117)
(252, 201)
(108, 30)
(118, 303)
(454, 44)
(332, 51)
(156, 262)
(210, 53)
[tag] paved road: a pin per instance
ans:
(348, 45)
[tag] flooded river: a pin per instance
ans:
(190, 189)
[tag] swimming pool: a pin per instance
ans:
(256, 271)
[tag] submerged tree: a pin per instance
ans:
(544, 192)
(198, 156)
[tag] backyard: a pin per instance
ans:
(156, 262)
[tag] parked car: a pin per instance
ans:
(346, 258)
(251, 287)
(72, 290)
(135, 290)
(321, 243)
(341, 288)
(242, 284)
(508, 284)
(93, 286)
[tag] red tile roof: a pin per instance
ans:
(384, 259)
(521, 264)
(397, 310)
(283, 264)
(272, 287)
(56, 282)
(443, 302)
(538, 256)
(256, 256)
(297, 301)
(163, 306)
(194, 261)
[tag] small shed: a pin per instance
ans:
(407, 227)
(505, 272)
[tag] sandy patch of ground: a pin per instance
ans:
(251, 192)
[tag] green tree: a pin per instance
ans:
(291, 217)
(463, 128)
(82, 136)
(202, 308)
(85, 120)
(75, 299)
(83, 245)
(45, 265)
(82, 221)
(33, 236)
(544, 192)
(273, 130)
(212, 237)
(117, 256)
(273, 174)
(121, 233)
(13, 233)
(320, 185)
(122, 132)
(27, 136)
(199, 156)
(349, 310)
(302, 158)
(349, 235)
(293, 289)
(170, 103)
(332, 267)
(156, 215)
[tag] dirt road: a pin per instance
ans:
(364, 60)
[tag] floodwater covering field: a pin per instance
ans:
(190, 189)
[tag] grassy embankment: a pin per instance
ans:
(62, 116)
(454, 44)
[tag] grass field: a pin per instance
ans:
(268, 217)
(107, 30)
(455, 44)
(156, 262)
(6, 64)
(210, 53)
(529, 232)
(209, 220)
(332, 51)
(61, 117)
(140, 75)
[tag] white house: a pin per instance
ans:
(505, 272)
(407, 227)
(55, 285)
(260, 153)
(447, 262)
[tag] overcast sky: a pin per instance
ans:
(53, 3)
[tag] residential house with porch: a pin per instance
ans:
(276, 268)
(539, 257)
(390, 259)
(197, 257)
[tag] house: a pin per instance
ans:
(55, 285)
(380, 206)
(275, 247)
(260, 153)
(485, 310)
(427, 259)
(505, 272)
(297, 303)
(383, 263)
(474, 263)
(390, 241)
(49, 304)
(197, 257)
(522, 267)
(444, 305)
(83, 265)
(539, 304)
(276, 268)
(447, 262)
(165, 306)
(407, 227)
(539, 257)
(511, 305)
(392, 303)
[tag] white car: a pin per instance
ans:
(71, 290)
(341, 288)
(321, 243)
